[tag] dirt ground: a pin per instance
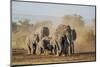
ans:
(20, 57)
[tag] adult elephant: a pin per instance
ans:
(62, 40)
(63, 44)
(71, 37)
(31, 42)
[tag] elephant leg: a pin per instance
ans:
(41, 50)
(51, 49)
(65, 51)
(37, 50)
(58, 50)
(73, 48)
(55, 49)
(61, 53)
(69, 50)
(29, 50)
(45, 51)
(62, 50)
(34, 49)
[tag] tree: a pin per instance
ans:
(73, 20)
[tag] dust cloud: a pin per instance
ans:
(85, 41)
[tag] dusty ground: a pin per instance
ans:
(19, 57)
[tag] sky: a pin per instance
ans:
(43, 11)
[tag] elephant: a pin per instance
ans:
(31, 42)
(39, 48)
(54, 43)
(63, 40)
(71, 37)
(44, 45)
(34, 40)
(62, 45)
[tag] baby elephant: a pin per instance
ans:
(44, 46)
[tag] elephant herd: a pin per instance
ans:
(60, 43)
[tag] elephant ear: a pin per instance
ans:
(74, 36)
